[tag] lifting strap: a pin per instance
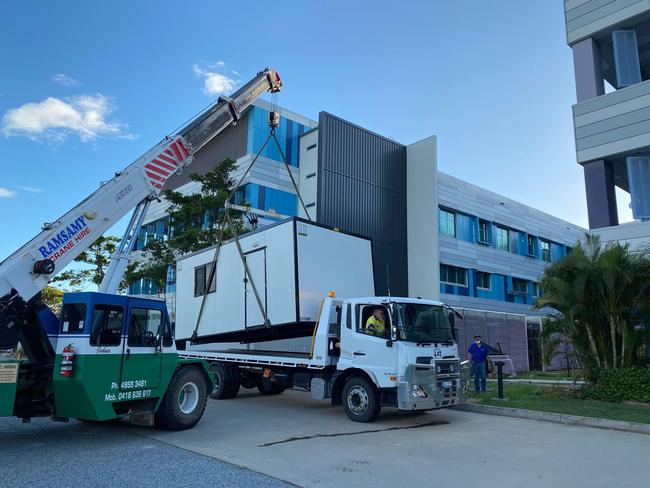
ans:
(226, 221)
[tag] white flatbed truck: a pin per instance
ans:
(414, 367)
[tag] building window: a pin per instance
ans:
(453, 275)
(483, 232)
(483, 280)
(447, 223)
(534, 289)
(546, 251)
(502, 239)
(201, 274)
(519, 285)
(531, 245)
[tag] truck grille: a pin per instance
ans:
(448, 393)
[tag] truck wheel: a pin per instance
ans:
(184, 401)
(360, 400)
(225, 386)
(274, 390)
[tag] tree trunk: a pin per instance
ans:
(612, 333)
(592, 344)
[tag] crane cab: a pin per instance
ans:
(115, 355)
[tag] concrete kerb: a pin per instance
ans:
(557, 418)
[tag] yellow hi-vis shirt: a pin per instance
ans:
(378, 325)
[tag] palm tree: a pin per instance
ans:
(597, 296)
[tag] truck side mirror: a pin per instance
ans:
(158, 343)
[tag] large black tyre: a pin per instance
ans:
(226, 381)
(360, 399)
(275, 389)
(184, 401)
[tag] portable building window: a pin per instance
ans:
(201, 274)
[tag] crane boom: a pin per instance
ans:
(28, 270)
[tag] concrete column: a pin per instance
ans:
(422, 219)
(601, 197)
(586, 63)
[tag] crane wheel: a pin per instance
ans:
(184, 401)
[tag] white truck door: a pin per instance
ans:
(256, 262)
(364, 349)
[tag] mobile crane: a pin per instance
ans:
(109, 356)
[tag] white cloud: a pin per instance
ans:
(54, 119)
(236, 73)
(4, 193)
(214, 83)
(31, 189)
(221, 64)
(65, 80)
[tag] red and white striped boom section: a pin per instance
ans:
(30, 268)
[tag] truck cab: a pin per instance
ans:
(412, 361)
(115, 356)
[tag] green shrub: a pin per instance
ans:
(617, 385)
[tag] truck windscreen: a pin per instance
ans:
(423, 323)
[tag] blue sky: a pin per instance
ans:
(88, 86)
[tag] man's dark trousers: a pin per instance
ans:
(480, 375)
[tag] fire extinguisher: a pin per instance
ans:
(67, 360)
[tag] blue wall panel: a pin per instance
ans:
(465, 227)
(288, 133)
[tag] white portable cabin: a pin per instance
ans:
(293, 263)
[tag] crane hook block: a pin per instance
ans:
(274, 119)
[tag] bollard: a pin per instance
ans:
(499, 365)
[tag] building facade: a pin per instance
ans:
(610, 41)
(493, 250)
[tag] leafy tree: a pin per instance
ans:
(155, 262)
(197, 219)
(196, 222)
(600, 298)
(97, 256)
(52, 297)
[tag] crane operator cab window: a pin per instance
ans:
(72, 318)
(375, 321)
(146, 325)
(106, 328)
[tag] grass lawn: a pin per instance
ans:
(548, 375)
(559, 400)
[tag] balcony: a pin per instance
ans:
(614, 126)
(584, 18)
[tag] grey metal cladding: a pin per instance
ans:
(585, 18)
(231, 143)
(614, 123)
(362, 189)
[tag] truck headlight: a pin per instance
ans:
(419, 392)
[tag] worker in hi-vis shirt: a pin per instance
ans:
(375, 323)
